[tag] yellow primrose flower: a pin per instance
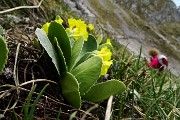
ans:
(60, 21)
(77, 28)
(106, 54)
(105, 67)
(108, 41)
(45, 27)
(91, 27)
(72, 23)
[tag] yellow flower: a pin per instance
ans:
(60, 21)
(105, 67)
(45, 27)
(106, 54)
(72, 23)
(108, 41)
(77, 28)
(91, 27)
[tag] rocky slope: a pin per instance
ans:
(153, 11)
(136, 23)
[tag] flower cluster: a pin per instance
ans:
(77, 28)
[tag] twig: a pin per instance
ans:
(25, 83)
(88, 111)
(21, 7)
(174, 109)
(108, 109)
(13, 87)
(15, 74)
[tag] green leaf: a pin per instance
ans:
(27, 105)
(99, 39)
(70, 89)
(44, 41)
(3, 53)
(84, 58)
(89, 45)
(63, 67)
(102, 91)
(31, 113)
(87, 73)
(73, 116)
(76, 50)
(15, 115)
(58, 31)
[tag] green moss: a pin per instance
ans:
(138, 21)
(171, 28)
(170, 31)
(106, 14)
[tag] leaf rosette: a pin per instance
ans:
(78, 61)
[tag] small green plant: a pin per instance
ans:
(3, 51)
(79, 60)
(28, 114)
(28, 108)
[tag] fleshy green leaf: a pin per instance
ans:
(3, 53)
(87, 73)
(44, 41)
(99, 39)
(58, 31)
(76, 50)
(89, 45)
(70, 89)
(84, 58)
(102, 91)
(63, 67)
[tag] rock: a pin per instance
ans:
(26, 19)
(2, 116)
(154, 11)
(13, 18)
(8, 72)
(79, 7)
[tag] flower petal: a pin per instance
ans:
(45, 27)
